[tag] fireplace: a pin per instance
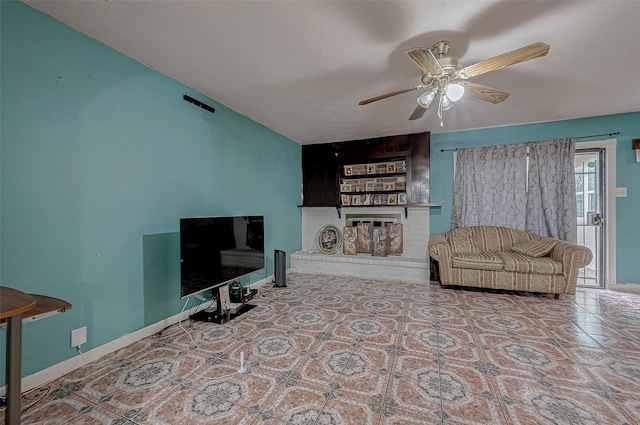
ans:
(411, 266)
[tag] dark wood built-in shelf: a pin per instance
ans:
(323, 166)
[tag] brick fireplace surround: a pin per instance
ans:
(412, 266)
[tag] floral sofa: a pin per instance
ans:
(504, 258)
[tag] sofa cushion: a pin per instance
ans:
(460, 240)
(539, 248)
(516, 262)
(481, 260)
(497, 238)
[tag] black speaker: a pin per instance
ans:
(280, 269)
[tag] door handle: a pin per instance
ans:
(594, 219)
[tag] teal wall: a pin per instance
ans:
(100, 157)
(627, 172)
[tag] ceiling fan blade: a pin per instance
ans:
(532, 51)
(393, 93)
(483, 92)
(425, 59)
(417, 113)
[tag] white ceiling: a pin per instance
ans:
(301, 67)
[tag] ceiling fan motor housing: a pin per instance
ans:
(450, 71)
(441, 48)
(450, 65)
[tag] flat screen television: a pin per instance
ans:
(216, 250)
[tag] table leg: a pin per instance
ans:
(14, 358)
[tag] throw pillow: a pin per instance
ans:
(539, 248)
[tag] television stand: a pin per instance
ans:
(225, 310)
(235, 310)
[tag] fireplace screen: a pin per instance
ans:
(376, 234)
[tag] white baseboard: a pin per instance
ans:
(625, 287)
(60, 369)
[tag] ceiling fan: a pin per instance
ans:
(445, 77)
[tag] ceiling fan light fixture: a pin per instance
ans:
(445, 102)
(426, 98)
(455, 91)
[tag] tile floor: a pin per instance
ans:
(336, 350)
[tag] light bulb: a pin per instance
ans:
(455, 92)
(445, 102)
(426, 98)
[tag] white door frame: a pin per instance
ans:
(609, 147)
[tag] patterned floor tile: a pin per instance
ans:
(439, 314)
(202, 406)
(505, 353)
(330, 301)
(62, 407)
(473, 411)
(365, 371)
(136, 385)
(506, 323)
(415, 387)
(623, 376)
(353, 409)
(377, 305)
(308, 319)
(494, 302)
(589, 404)
(567, 333)
(302, 404)
(544, 410)
(552, 363)
(454, 345)
(377, 329)
(275, 349)
(326, 362)
(521, 388)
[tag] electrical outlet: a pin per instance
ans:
(621, 192)
(78, 336)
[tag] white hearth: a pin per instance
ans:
(410, 270)
(411, 266)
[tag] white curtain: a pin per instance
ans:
(490, 187)
(551, 199)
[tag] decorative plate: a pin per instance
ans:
(329, 239)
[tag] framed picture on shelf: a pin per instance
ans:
(391, 167)
(344, 187)
(402, 198)
(389, 186)
(392, 199)
(329, 239)
(371, 168)
(369, 186)
(348, 171)
(377, 199)
(355, 200)
(346, 200)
